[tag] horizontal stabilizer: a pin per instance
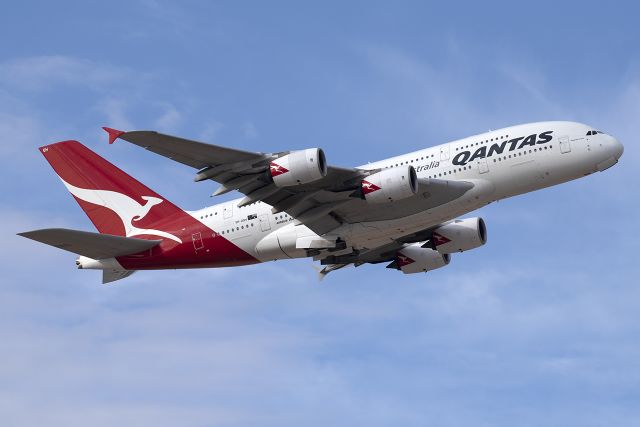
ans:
(112, 275)
(92, 245)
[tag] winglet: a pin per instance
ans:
(113, 134)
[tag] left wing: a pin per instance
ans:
(322, 205)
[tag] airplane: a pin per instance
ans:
(404, 210)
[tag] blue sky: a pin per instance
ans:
(538, 327)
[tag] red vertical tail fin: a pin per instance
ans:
(115, 202)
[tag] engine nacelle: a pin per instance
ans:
(460, 235)
(390, 185)
(298, 167)
(416, 259)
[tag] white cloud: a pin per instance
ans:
(621, 112)
(115, 111)
(249, 130)
(532, 81)
(168, 20)
(211, 131)
(39, 73)
(170, 118)
(435, 98)
(19, 132)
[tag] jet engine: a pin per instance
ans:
(298, 167)
(416, 259)
(390, 185)
(459, 235)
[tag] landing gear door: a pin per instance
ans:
(565, 145)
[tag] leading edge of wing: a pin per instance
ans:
(192, 153)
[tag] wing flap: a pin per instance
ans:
(92, 245)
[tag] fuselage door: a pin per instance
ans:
(264, 222)
(444, 152)
(565, 145)
(483, 166)
(197, 241)
(227, 211)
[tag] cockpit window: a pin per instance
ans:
(593, 132)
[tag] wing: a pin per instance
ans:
(321, 205)
(376, 255)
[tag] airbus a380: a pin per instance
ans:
(403, 211)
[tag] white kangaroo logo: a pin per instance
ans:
(127, 209)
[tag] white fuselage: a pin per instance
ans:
(498, 167)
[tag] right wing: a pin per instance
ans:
(375, 255)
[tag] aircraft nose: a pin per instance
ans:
(616, 148)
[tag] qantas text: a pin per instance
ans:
(465, 157)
